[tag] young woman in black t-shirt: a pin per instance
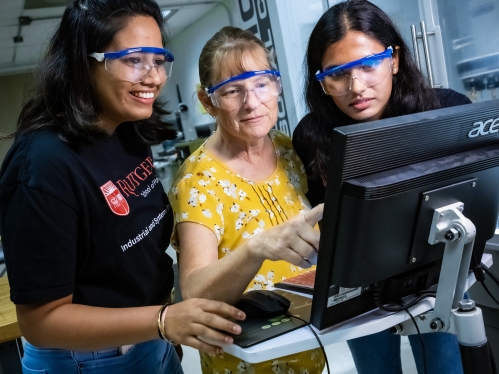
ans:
(359, 69)
(85, 222)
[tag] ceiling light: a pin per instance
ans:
(168, 13)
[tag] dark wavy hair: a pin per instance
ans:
(410, 94)
(64, 97)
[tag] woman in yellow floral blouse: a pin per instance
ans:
(237, 200)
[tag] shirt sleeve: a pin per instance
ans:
(194, 200)
(39, 237)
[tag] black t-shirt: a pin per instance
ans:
(90, 220)
(316, 190)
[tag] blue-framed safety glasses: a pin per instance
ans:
(369, 70)
(232, 93)
(134, 64)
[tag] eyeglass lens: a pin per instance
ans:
(135, 67)
(369, 73)
(234, 94)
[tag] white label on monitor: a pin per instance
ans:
(344, 294)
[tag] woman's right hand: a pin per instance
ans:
(195, 322)
(295, 241)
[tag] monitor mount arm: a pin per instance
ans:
(451, 314)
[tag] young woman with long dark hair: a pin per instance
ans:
(85, 222)
(359, 69)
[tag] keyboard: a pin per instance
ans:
(302, 283)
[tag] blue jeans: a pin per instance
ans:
(152, 357)
(380, 353)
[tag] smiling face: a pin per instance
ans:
(254, 119)
(361, 103)
(122, 101)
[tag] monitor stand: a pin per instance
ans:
(451, 314)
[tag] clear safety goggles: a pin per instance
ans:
(134, 64)
(233, 92)
(369, 70)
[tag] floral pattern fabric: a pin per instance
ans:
(235, 209)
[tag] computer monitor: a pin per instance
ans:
(386, 178)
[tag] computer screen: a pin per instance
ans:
(385, 179)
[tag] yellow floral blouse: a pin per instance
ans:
(236, 209)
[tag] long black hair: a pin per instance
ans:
(64, 97)
(410, 94)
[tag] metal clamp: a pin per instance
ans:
(451, 227)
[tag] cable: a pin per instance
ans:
(420, 339)
(320, 343)
(490, 294)
(490, 273)
(479, 272)
(377, 287)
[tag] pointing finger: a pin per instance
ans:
(314, 215)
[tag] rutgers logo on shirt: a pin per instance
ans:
(115, 199)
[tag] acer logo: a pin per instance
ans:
(490, 126)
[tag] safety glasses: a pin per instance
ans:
(369, 70)
(232, 93)
(134, 64)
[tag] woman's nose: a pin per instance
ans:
(153, 76)
(251, 100)
(356, 85)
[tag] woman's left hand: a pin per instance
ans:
(202, 324)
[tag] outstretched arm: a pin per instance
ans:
(202, 274)
(61, 324)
